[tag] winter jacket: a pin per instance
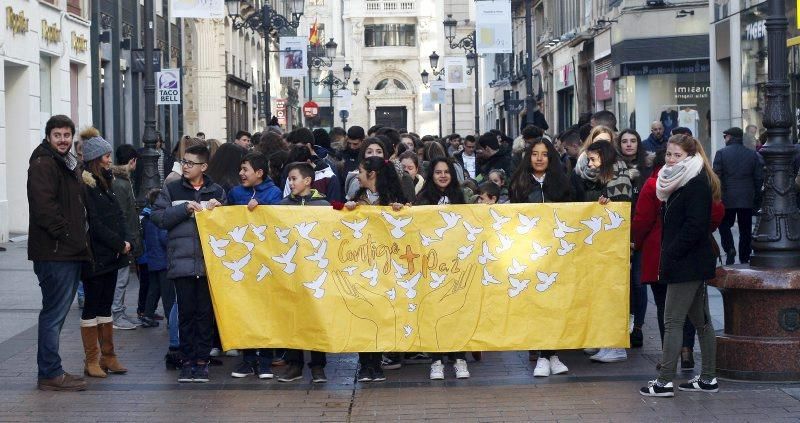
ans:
(537, 194)
(654, 144)
(406, 183)
(619, 188)
(107, 228)
(183, 241)
(312, 199)
(740, 172)
(500, 160)
(123, 189)
(349, 161)
(646, 227)
(155, 242)
(686, 250)
(266, 193)
(325, 181)
(56, 208)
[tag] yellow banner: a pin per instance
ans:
(433, 278)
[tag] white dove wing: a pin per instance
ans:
(499, 220)
(258, 231)
(263, 272)
(615, 218)
(217, 245)
(237, 267)
(350, 270)
(238, 233)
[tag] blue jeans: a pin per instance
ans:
(638, 300)
(174, 332)
(58, 281)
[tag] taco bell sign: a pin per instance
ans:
(169, 86)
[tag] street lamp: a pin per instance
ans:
(264, 22)
(434, 61)
(316, 63)
(149, 157)
(468, 45)
(335, 84)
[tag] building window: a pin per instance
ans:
(390, 35)
(46, 90)
(75, 7)
(382, 85)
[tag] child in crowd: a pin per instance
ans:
(488, 193)
(155, 241)
(300, 178)
(174, 211)
(498, 177)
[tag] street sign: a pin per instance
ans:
(262, 105)
(137, 60)
(310, 109)
(344, 114)
(169, 86)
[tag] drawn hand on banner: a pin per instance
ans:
(367, 305)
(446, 301)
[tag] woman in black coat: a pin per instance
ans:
(109, 245)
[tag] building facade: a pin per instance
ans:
(44, 70)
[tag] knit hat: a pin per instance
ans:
(95, 147)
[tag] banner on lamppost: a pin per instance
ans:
(262, 105)
(293, 57)
(280, 110)
(493, 26)
(438, 92)
(169, 86)
(203, 9)
(343, 100)
(455, 72)
(427, 103)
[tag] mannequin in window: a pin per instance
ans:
(669, 119)
(688, 118)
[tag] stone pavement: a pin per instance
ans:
(502, 387)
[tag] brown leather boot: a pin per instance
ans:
(89, 337)
(108, 359)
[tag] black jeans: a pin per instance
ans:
(144, 288)
(317, 358)
(195, 318)
(660, 298)
(369, 359)
(453, 356)
(98, 294)
(744, 217)
(261, 356)
(161, 287)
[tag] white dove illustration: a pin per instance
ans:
(217, 245)
(538, 251)
(319, 255)
(372, 275)
(410, 285)
(505, 243)
(499, 219)
(337, 234)
(562, 229)
(263, 272)
(412, 307)
(595, 224)
(488, 278)
(304, 229)
(258, 231)
(350, 270)
(566, 247)
(526, 223)
(316, 285)
(486, 256)
(238, 234)
(407, 331)
(616, 220)
(397, 224)
(517, 286)
(391, 294)
(545, 280)
(399, 270)
(282, 234)
(237, 267)
(356, 227)
(465, 251)
(516, 268)
(472, 231)
(438, 280)
(427, 241)
(450, 221)
(286, 259)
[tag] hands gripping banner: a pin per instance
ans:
(428, 278)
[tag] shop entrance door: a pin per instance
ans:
(566, 104)
(393, 117)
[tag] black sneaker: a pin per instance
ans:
(172, 360)
(293, 373)
(391, 362)
(364, 374)
(244, 369)
(264, 370)
(637, 338)
(318, 374)
(148, 322)
(655, 388)
(186, 375)
(377, 375)
(417, 358)
(730, 257)
(201, 372)
(696, 384)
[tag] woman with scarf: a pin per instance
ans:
(688, 186)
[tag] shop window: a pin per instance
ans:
(74, 7)
(45, 87)
(754, 71)
(390, 35)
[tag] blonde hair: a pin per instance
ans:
(597, 130)
(213, 144)
(692, 147)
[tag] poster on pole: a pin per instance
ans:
(493, 26)
(293, 57)
(343, 100)
(427, 103)
(169, 86)
(201, 9)
(438, 92)
(455, 72)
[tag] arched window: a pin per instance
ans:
(382, 85)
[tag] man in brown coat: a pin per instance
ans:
(57, 243)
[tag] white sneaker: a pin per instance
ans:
(613, 355)
(556, 366)
(542, 368)
(215, 352)
(599, 354)
(462, 372)
(437, 370)
(232, 353)
(590, 351)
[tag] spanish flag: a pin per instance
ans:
(313, 37)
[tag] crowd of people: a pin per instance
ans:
(86, 228)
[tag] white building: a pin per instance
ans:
(44, 71)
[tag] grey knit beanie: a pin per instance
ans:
(95, 147)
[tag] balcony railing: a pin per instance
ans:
(391, 7)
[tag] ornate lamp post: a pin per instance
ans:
(334, 84)
(468, 45)
(149, 157)
(319, 62)
(264, 22)
(434, 61)
(762, 301)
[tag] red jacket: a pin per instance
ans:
(646, 227)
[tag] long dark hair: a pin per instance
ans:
(372, 141)
(556, 185)
(608, 156)
(641, 154)
(224, 167)
(387, 183)
(100, 173)
(431, 194)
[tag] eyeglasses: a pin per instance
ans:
(190, 164)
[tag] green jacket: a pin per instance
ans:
(126, 199)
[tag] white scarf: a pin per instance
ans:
(670, 178)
